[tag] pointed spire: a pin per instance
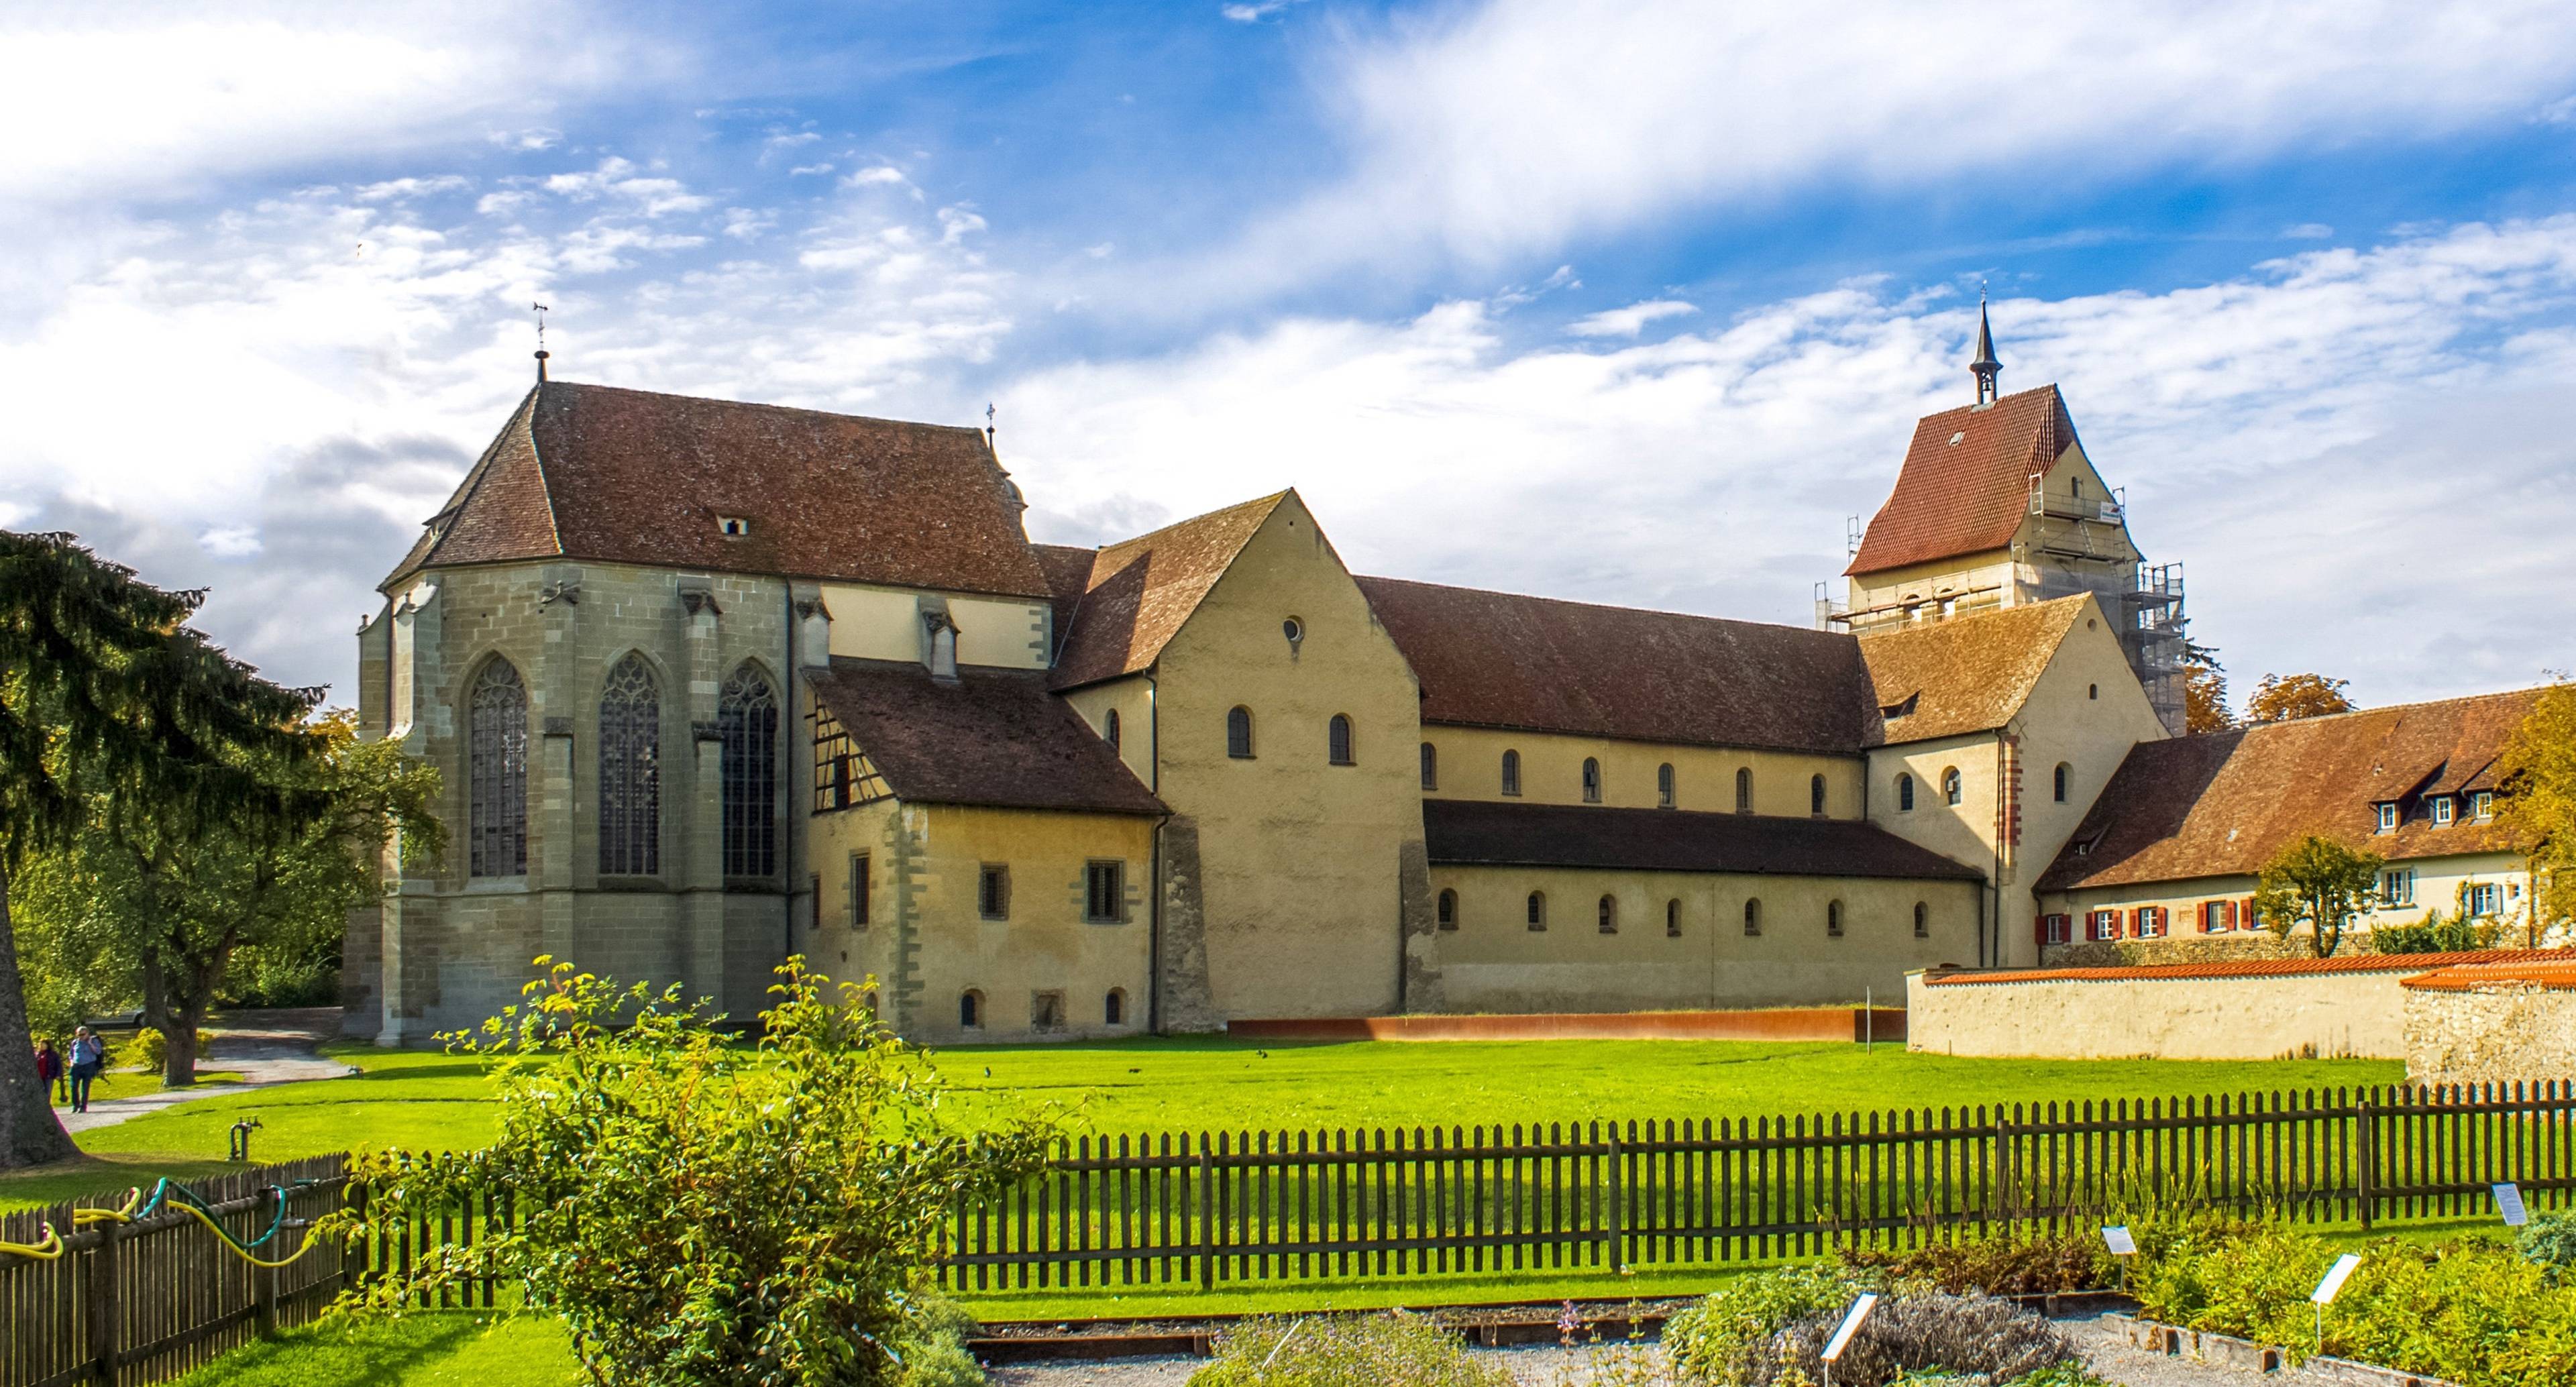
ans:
(1985, 367)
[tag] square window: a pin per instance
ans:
(1046, 1011)
(993, 892)
(1104, 892)
(2482, 805)
(2442, 811)
(2388, 817)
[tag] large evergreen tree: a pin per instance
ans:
(109, 703)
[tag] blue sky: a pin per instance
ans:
(1623, 302)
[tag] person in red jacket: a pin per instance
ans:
(49, 1065)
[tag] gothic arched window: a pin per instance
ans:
(747, 716)
(630, 771)
(496, 773)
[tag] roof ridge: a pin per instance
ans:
(2381, 708)
(1605, 606)
(762, 405)
(472, 483)
(1273, 499)
(545, 484)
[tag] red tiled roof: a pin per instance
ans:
(2225, 803)
(1968, 496)
(2554, 975)
(2251, 967)
(1496, 659)
(1461, 832)
(1141, 591)
(991, 738)
(1966, 673)
(629, 476)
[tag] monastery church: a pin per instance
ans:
(712, 683)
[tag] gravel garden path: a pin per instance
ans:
(264, 1047)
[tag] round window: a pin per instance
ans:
(1294, 629)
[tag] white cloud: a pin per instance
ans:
(2307, 231)
(876, 175)
(617, 177)
(1518, 127)
(403, 188)
(1631, 320)
(1253, 12)
(808, 170)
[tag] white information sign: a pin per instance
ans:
(2508, 1202)
(2336, 1275)
(2116, 1237)
(1851, 1324)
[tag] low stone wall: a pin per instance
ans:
(2327, 1015)
(2211, 948)
(2492, 1034)
(1778, 1023)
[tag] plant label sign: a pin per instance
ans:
(1851, 1324)
(2508, 1202)
(2336, 1275)
(2116, 1237)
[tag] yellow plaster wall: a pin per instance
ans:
(1133, 697)
(1959, 577)
(926, 941)
(1298, 861)
(1493, 961)
(1471, 767)
(874, 623)
(2255, 1018)
(2437, 884)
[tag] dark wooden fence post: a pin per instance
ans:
(1618, 1229)
(2367, 1150)
(1207, 1221)
(101, 1305)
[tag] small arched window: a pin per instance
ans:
(1950, 784)
(1672, 919)
(1511, 772)
(1337, 740)
(496, 772)
(1816, 795)
(1744, 789)
(1609, 912)
(1113, 1008)
(970, 1009)
(1430, 766)
(1834, 919)
(1538, 910)
(1904, 792)
(2093, 691)
(1238, 734)
(1922, 920)
(1753, 916)
(1664, 792)
(630, 771)
(1109, 728)
(2061, 781)
(1448, 910)
(1591, 781)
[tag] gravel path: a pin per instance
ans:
(264, 1047)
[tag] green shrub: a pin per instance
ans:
(1912, 1335)
(148, 1049)
(1996, 1266)
(1708, 1341)
(2434, 935)
(1345, 1351)
(2549, 1242)
(932, 1345)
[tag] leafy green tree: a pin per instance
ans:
(110, 704)
(2318, 882)
(2538, 774)
(2281, 698)
(174, 912)
(702, 1213)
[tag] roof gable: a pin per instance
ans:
(1965, 673)
(989, 737)
(1966, 480)
(630, 476)
(2223, 804)
(1141, 591)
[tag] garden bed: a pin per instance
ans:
(2230, 1351)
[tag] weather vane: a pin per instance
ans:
(541, 340)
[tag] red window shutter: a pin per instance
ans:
(2039, 929)
(2246, 918)
(2227, 911)
(2138, 922)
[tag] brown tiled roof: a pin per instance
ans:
(1068, 572)
(1966, 673)
(1141, 590)
(1495, 659)
(628, 476)
(1464, 833)
(2223, 804)
(2554, 974)
(2249, 968)
(1966, 497)
(993, 738)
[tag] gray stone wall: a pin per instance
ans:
(2499, 1034)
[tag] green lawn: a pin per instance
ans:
(428, 1349)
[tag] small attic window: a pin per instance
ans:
(1903, 708)
(732, 526)
(1956, 437)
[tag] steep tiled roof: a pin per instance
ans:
(1068, 572)
(991, 738)
(2223, 804)
(1967, 673)
(1966, 497)
(2554, 974)
(1483, 833)
(628, 476)
(2251, 968)
(1141, 590)
(1495, 659)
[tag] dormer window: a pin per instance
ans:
(2442, 811)
(732, 526)
(2482, 805)
(2388, 816)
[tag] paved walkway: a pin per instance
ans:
(264, 1047)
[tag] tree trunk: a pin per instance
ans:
(179, 1047)
(29, 1132)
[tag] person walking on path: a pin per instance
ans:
(88, 1057)
(49, 1066)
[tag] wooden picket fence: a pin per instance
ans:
(1168, 1209)
(133, 1304)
